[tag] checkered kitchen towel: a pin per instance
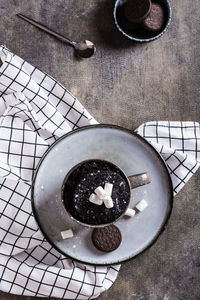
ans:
(35, 110)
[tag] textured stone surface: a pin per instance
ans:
(127, 84)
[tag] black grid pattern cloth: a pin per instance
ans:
(35, 110)
(179, 145)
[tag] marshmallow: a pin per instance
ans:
(108, 202)
(99, 191)
(95, 199)
(141, 205)
(108, 188)
(130, 212)
(67, 234)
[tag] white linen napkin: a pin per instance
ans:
(35, 110)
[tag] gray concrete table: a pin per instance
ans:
(127, 84)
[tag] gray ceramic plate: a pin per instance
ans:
(133, 155)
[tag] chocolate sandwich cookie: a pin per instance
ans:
(128, 25)
(107, 238)
(137, 10)
(155, 20)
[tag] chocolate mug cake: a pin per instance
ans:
(97, 193)
(82, 182)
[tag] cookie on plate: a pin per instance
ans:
(107, 238)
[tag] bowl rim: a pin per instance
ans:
(142, 40)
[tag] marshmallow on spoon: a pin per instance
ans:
(95, 199)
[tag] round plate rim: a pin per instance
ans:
(170, 202)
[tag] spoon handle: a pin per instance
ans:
(46, 29)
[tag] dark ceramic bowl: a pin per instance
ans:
(138, 34)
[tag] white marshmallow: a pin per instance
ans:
(95, 199)
(108, 187)
(99, 191)
(92, 198)
(108, 202)
(67, 234)
(141, 205)
(130, 212)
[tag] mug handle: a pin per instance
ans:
(139, 180)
